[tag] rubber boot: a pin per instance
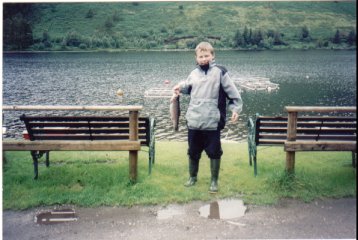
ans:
(215, 168)
(193, 172)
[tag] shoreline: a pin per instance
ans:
(176, 50)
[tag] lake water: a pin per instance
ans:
(314, 77)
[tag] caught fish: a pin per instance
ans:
(175, 111)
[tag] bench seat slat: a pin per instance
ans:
(320, 146)
(68, 145)
(309, 137)
(272, 141)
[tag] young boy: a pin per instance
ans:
(209, 85)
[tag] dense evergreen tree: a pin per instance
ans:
(90, 13)
(305, 34)
(337, 37)
(239, 39)
(352, 38)
(257, 38)
(277, 38)
(246, 36)
(17, 33)
(250, 37)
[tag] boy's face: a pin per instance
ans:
(204, 57)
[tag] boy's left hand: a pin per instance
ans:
(234, 117)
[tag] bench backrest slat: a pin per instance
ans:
(309, 124)
(273, 130)
(83, 124)
(84, 128)
(36, 131)
(87, 137)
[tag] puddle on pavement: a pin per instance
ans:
(223, 209)
(56, 216)
(169, 212)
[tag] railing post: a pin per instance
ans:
(133, 136)
(291, 136)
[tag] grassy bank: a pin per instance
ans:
(101, 178)
(179, 25)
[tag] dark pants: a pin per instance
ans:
(200, 140)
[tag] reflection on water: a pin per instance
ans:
(214, 212)
(56, 216)
(322, 78)
(223, 209)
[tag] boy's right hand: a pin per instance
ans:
(176, 89)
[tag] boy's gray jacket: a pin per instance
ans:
(203, 111)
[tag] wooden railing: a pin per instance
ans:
(133, 125)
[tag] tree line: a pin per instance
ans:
(268, 39)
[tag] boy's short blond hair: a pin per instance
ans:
(204, 46)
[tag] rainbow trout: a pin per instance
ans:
(175, 111)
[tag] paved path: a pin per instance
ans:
(329, 218)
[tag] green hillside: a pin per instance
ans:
(179, 25)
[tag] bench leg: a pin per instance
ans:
(47, 158)
(255, 163)
(250, 158)
(150, 163)
(290, 162)
(152, 152)
(133, 160)
(152, 140)
(151, 145)
(253, 158)
(34, 155)
(3, 158)
(151, 157)
(251, 148)
(354, 159)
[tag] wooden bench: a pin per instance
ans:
(84, 133)
(92, 128)
(312, 133)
